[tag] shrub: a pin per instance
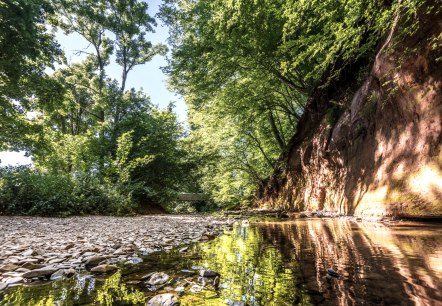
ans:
(25, 191)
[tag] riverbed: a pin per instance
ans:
(269, 263)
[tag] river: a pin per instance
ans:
(275, 263)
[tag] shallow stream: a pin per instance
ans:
(275, 263)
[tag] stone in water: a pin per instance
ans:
(165, 299)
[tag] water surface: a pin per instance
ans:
(277, 263)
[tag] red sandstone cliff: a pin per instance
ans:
(383, 156)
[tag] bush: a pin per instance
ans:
(25, 191)
(103, 198)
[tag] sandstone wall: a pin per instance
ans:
(383, 156)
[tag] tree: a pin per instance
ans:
(26, 49)
(95, 127)
(248, 70)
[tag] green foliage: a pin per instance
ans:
(25, 46)
(322, 37)
(150, 156)
(109, 146)
(241, 109)
(26, 49)
(31, 192)
(26, 191)
(246, 69)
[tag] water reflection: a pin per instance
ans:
(253, 270)
(82, 290)
(278, 263)
(380, 265)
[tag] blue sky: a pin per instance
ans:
(148, 76)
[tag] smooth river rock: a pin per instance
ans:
(208, 273)
(94, 261)
(32, 266)
(29, 252)
(104, 269)
(57, 275)
(86, 242)
(8, 268)
(157, 278)
(14, 280)
(40, 272)
(69, 272)
(165, 299)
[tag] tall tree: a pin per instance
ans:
(252, 65)
(26, 49)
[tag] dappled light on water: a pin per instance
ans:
(277, 263)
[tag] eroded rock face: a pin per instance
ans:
(383, 154)
(166, 299)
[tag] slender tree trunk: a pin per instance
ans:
(275, 131)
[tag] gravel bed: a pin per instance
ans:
(35, 248)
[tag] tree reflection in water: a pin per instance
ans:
(398, 264)
(279, 263)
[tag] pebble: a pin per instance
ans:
(94, 261)
(59, 247)
(332, 273)
(43, 272)
(157, 278)
(235, 303)
(69, 273)
(57, 275)
(32, 266)
(13, 280)
(120, 252)
(182, 250)
(196, 288)
(29, 252)
(69, 246)
(165, 299)
(8, 268)
(208, 273)
(215, 283)
(104, 269)
(134, 260)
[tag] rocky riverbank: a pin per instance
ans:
(35, 249)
